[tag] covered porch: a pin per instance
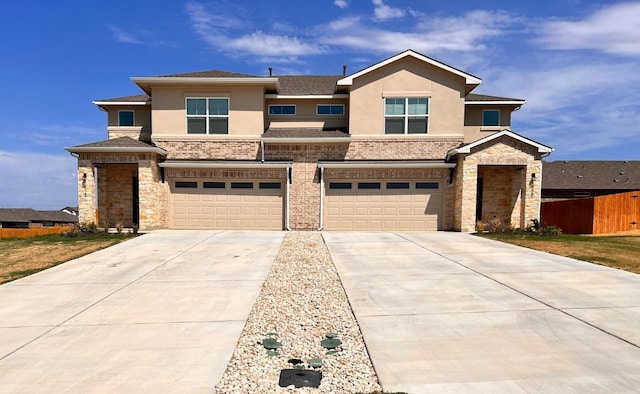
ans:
(119, 183)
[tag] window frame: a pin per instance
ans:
(406, 116)
(330, 106)
(295, 109)
(207, 116)
(490, 125)
(133, 117)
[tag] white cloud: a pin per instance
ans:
(218, 30)
(341, 3)
(430, 35)
(383, 12)
(37, 180)
(123, 36)
(614, 30)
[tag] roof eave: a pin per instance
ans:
(223, 164)
(115, 149)
(498, 102)
(302, 140)
(542, 149)
(145, 83)
(387, 164)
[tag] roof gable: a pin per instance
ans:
(471, 80)
(508, 133)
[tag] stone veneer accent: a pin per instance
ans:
(114, 189)
(517, 211)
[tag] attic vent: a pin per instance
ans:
(270, 71)
(621, 172)
(578, 176)
(344, 70)
(616, 180)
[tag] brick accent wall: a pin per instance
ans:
(210, 149)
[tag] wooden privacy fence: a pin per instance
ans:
(597, 215)
(31, 232)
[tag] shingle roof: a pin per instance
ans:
(209, 74)
(122, 142)
(308, 84)
(591, 175)
(27, 215)
(484, 97)
(304, 133)
(142, 98)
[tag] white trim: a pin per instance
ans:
(223, 164)
(386, 164)
(467, 148)
(321, 198)
(469, 79)
(295, 109)
(306, 96)
(134, 117)
(99, 103)
(331, 105)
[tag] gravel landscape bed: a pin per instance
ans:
(301, 301)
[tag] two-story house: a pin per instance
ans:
(400, 145)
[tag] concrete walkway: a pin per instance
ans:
(450, 312)
(160, 313)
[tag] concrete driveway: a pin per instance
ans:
(450, 312)
(159, 313)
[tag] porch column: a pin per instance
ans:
(466, 193)
(532, 191)
(86, 192)
(149, 194)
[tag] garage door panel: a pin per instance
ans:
(226, 208)
(383, 209)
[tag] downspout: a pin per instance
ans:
(261, 151)
(286, 219)
(321, 198)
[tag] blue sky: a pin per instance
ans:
(576, 62)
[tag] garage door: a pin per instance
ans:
(226, 204)
(382, 205)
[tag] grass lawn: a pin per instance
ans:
(621, 252)
(26, 256)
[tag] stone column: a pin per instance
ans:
(86, 191)
(149, 194)
(466, 196)
(532, 191)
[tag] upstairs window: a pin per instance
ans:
(282, 109)
(330, 109)
(207, 116)
(408, 115)
(491, 117)
(125, 118)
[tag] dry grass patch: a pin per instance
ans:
(22, 257)
(622, 252)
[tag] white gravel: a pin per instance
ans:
(302, 300)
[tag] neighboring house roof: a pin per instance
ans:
(122, 144)
(28, 215)
(591, 175)
(471, 80)
(466, 148)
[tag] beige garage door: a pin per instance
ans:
(226, 204)
(382, 205)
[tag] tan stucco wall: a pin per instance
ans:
(306, 114)
(407, 78)
(141, 130)
(473, 129)
(246, 105)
